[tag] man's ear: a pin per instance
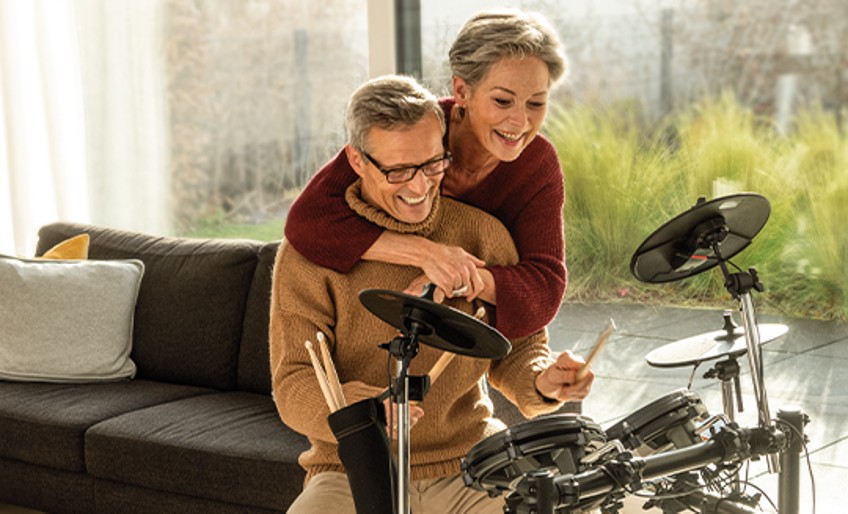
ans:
(357, 162)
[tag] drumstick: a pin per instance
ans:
(322, 378)
(596, 350)
(440, 366)
(330, 369)
(446, 358)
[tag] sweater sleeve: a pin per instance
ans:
(300, 307)
(322, 227)
(530, 293)
(515, 374)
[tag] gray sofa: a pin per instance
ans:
(196, 429)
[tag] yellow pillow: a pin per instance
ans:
(73, 248)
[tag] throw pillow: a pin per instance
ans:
(67, 320)
(73, 248)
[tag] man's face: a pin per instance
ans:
(409, 202)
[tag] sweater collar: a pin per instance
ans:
(353, 195)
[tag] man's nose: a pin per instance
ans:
(420, 183)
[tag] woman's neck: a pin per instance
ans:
(471, 161)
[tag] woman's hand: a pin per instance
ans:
(453, 270)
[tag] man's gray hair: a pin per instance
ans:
(492, 35)
(388, 102)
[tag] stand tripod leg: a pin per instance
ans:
(790, 462)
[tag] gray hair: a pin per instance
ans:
(388, 102)
(492, 35)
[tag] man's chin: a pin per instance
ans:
(413, 214)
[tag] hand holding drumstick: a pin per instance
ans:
(570, 378)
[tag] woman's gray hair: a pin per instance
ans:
(492, 35)
(388, 102)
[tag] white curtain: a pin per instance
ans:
(42, 134)
(83, 117)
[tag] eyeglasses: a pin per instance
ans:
(403, 174)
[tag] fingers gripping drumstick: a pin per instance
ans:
(596, 350)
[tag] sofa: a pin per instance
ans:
(192, 426)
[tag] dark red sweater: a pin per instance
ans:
(526, 195)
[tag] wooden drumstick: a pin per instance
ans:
(440, 366)
(322, 378)
(446, 358)
(330, 369)
(596, 350)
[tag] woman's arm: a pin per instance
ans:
(321, 213)
(446, 266)
(527, 195)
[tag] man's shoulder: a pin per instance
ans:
(459, 212)
(477, 231)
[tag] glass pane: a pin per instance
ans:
(256, 93)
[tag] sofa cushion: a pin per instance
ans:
(72, 248)
(234, 444)
(43, 489)
(254, 369)
(44, 424)
(190, 307)
(67, 321)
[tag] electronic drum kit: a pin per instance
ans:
(564, 462)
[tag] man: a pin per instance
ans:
(395, 130)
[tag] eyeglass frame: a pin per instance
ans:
(447, 156)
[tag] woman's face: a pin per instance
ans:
(507, 108)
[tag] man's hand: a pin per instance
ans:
(558, 381)
(415, 413)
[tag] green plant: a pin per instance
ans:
(623, 181)
(220, 228)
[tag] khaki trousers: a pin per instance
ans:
(329, 493)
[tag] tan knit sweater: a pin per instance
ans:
(307, 298)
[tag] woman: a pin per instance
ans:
(504, 64)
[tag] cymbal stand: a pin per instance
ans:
(728, 372)
(739, 285)
(405, 388)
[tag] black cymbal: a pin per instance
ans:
(711, 345)
(438, 325)
(684, 246)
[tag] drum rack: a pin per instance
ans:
(544, 492)
(703, 237)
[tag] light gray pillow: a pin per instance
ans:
(67, 320)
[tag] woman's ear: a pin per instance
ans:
(356, 160)
(460, 91)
